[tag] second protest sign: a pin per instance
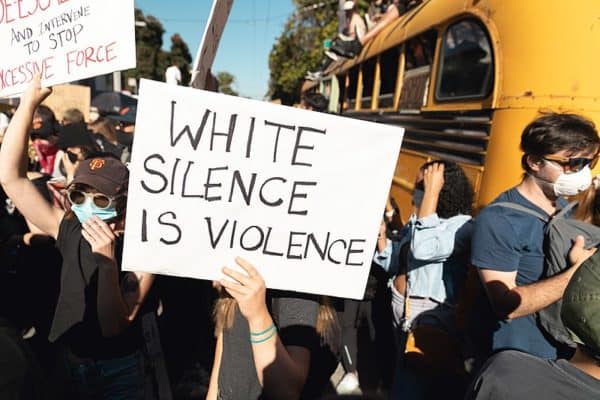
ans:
(63, 40)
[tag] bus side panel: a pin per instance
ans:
(503, 162)
(407, 168)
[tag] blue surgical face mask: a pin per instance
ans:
(417, 197)
(88, 209)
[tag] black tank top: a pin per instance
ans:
(76, 321)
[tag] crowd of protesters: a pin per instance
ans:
(456, 305)
(502, 304)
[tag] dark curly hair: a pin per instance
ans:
(456, 196)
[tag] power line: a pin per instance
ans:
(233, 21)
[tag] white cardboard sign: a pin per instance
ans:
(63, 40)
(297, 193)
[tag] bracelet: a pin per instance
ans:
(257, 341)
(263, 332)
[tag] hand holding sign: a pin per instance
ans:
(248, 290)
(35, 93)
(63, 40)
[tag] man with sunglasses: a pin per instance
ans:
(98, 314)
(508, 244)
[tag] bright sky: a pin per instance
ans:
(249, 35)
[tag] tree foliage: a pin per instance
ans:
(300, 47)
(152, 61)
(226, 81)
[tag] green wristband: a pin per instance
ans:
(270, 328)
(253, 341)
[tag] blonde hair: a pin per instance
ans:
(588, 209)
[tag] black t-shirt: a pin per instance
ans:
(295, 316)
(76, 318)
(515, 375)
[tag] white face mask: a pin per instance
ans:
(571, 184)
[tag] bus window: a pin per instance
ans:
(467, 67)
(418, 58)
(389, 62)
(368, 78)
(352, 85)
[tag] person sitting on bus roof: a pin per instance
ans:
(351, 48)
(508, 244)
(354, 24)
(354, 27)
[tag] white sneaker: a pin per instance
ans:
(331, 55)
(345, 38)
(348, 384)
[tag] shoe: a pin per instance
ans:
(346, 49)
(331, 55)
(348, 384)
(345, 38)
(313, 76)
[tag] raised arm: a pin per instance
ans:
(281, 370)
(13, 164)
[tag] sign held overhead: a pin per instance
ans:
(210, 42)
(63, 40)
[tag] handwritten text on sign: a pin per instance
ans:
(63, 40)
(299, 194)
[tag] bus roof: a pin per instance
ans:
(547, 52)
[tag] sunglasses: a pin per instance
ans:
(100, 200)
(574, 164)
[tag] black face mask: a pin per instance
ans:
(125, 139)
(45, 131)
(72, 157)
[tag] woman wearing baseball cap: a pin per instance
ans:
(97, 318)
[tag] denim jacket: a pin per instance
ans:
(438, 255)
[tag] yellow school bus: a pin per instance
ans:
(464, 77)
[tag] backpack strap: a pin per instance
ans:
(519, 207)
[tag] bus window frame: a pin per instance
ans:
(439, 63)
(398, 86)
(432, 70)
(374, 86)
(357, 90)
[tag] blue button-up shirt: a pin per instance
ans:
(438, 255)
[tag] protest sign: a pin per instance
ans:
(297, 193)
(210, 42)
(63, 40)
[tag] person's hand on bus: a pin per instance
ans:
(101, 238)
(35, 93)
(249, 291)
